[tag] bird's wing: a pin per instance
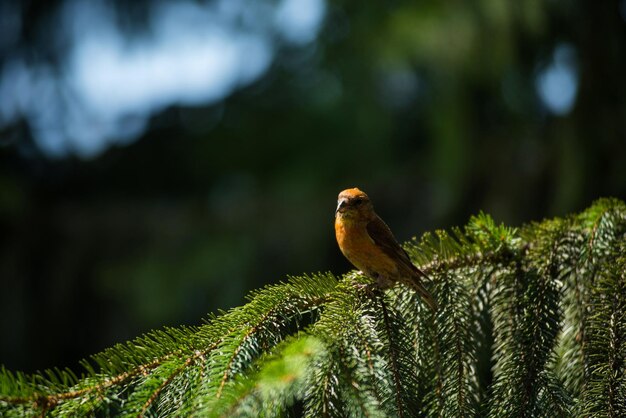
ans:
(384, 239)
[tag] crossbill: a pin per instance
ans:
(368, 243)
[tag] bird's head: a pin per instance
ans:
(354, 204)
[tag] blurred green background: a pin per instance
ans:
(159, 159)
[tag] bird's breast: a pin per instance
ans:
(361, 250)
(352, 237)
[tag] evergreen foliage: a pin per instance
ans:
(532, 323)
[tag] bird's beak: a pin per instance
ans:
(341, 204)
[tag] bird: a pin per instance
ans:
(368, 243)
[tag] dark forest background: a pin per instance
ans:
(116, 219)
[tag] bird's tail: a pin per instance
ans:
(417, 285)
(426, 296)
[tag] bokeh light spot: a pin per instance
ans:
(557, 84)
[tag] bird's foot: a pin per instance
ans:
(369, 289)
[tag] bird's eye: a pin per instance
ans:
(358, 201)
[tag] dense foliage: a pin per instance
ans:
(532, 322)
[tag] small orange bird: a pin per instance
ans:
(368, 243)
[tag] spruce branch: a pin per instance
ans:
(532, 322)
